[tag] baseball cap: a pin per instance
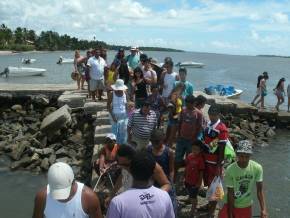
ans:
(111, 136)
(244, 146)
(60, 178)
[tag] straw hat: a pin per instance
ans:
(119, 85)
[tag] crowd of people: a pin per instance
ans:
(279, 91)
(142, 100)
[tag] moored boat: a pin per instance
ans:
(62, 60)
(226, 91)
(190, 64)
(23, 71)
(28, 60)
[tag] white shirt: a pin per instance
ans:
(72, 208)
(169, 80)
(150, 202)
(97, 66)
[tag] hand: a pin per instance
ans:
(264, 214)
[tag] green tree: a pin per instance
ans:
(19, 37)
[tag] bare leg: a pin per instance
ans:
(288, 104)
(93, 94)
(256, 97)
(262, 102)
(82, 82)
(211, 209)
(100, 93)
(78, 83)
(193, 206)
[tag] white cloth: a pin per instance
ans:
(119, 103)
(142, 203)
(169, 80)
(149, 74)
(97, 66)
(72, 208)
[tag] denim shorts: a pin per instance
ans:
(183, 146)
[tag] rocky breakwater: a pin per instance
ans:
(35, 137)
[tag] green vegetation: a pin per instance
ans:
(23, 39)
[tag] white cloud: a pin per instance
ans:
(254, 35)
(280, 18)
(172, 13)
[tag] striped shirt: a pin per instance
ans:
(142, 126)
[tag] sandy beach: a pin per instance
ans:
(6, 53)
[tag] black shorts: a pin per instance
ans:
(192, 190)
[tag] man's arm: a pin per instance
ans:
(231, 202)
(91, 203)
(261, 198)
(39, 204)
(160, 177)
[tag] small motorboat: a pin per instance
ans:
(190, 64)
(28, 60)
(22, 71)
(62, 60)
(226, 91)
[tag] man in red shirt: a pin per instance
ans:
(215, 139)
(190, 125)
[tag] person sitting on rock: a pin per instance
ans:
(107, 155)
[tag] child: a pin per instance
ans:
(111, 76)
(174, 109)
(288, 93)
(131, 108)
(156, 103)
(194, 167)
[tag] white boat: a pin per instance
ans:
(236, 94)
(23, 71)
(62, 60)
(28, 60)
(190, 64)
(226, 91)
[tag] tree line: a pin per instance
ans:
(23, 39)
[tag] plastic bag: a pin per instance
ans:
(215, 191)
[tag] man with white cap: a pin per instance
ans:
(133, 59)
(240, 178)
(64, 197)
(117, 107)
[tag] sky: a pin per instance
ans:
(248, 27)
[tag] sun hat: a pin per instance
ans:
(60, 178)
(111, 136)
(119, 85)
(244, 146)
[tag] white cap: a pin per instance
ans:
(111, 136)
(119, 85)
(60, 178)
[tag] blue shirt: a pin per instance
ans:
(133, 61)
(188, 88)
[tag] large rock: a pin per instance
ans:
(270, 132)
(56, 120)
(101, 132)
(45, 164)
(24, 162)
(92, 107)
(73, 100)
(18, 149)
(243, 108)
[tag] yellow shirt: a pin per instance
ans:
(110, 79)
(178, 105)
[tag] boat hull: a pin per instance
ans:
(25, 71)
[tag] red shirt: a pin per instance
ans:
(194, 163)
(191, 123)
